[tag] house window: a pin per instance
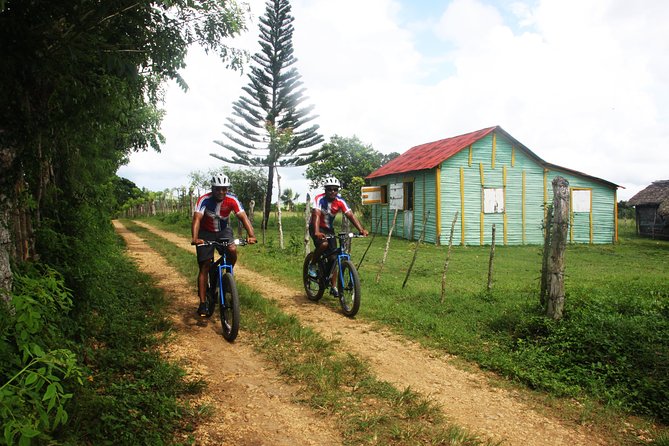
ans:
(408, 196)
(493, 200)
(580, 200)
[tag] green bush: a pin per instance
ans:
(38, 376)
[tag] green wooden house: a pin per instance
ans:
(487, 177)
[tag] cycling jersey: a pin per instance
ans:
(216, 215)
(329, 209)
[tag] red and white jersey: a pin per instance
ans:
(329, 209)
(216, 215)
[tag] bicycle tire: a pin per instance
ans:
(230, 311)
(314, 287)
(212, 291)
(349, 290)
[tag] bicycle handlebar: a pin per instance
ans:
(343, 235)
(224, 242)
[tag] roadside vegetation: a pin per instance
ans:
(96, 372)
(608, 358)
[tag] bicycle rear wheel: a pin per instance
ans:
(230, 312)
(348, 285)
(313, 286)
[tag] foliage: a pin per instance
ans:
(289, 198)
(81, 89)
(350, 161)
(625, 211)
(37, 375)
(267, 128)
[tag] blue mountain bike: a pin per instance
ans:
(222, 289)
(335, 268)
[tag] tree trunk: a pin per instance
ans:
(5, 249)
(278, 207)
(268, 197)
(558, 245)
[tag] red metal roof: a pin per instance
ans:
(429, 155)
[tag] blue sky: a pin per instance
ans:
(583, 84)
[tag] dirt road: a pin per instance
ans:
(467, 397)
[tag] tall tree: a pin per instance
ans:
(267, 126)
(81, 88)
(350, 161)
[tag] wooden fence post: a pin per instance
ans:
(385, 253)
(556, 265)
(378, 224)
(415, 251)
(448, 259)
(492, 260)
(543, 294)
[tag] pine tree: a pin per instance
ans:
(266, 126)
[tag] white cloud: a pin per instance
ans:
(582, 84)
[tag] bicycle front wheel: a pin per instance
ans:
(229, 308)
(348, 285)
(313, 286)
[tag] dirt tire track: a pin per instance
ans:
(467, 397)
(250, 403)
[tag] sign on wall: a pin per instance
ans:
(371, 194)
(396, 200)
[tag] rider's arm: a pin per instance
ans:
(317, 214)
(195, 229)
(351, 216)
(251, 238)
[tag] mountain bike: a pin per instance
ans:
(335, 262)
(222, 289)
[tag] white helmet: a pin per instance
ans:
(331, 181)
(220, 181)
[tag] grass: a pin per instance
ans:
(611, 351)
(336, 384)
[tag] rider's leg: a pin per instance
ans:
(232, 254)
(202, 280)
(320, 249)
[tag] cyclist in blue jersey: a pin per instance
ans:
(326, 206)
(211, 221)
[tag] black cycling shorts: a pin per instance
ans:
(332, 243)
(206, 252)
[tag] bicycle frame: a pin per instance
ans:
(222, 265)
(341, 254)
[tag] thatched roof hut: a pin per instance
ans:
(652, 210)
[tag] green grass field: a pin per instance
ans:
(611, 348)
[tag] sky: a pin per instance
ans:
(584, 84)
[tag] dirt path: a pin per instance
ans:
(251, 404)
(467, 398)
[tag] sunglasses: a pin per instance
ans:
(219, 189)
(331, 189)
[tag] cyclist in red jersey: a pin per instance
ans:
(211, 221)
(326, 206)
